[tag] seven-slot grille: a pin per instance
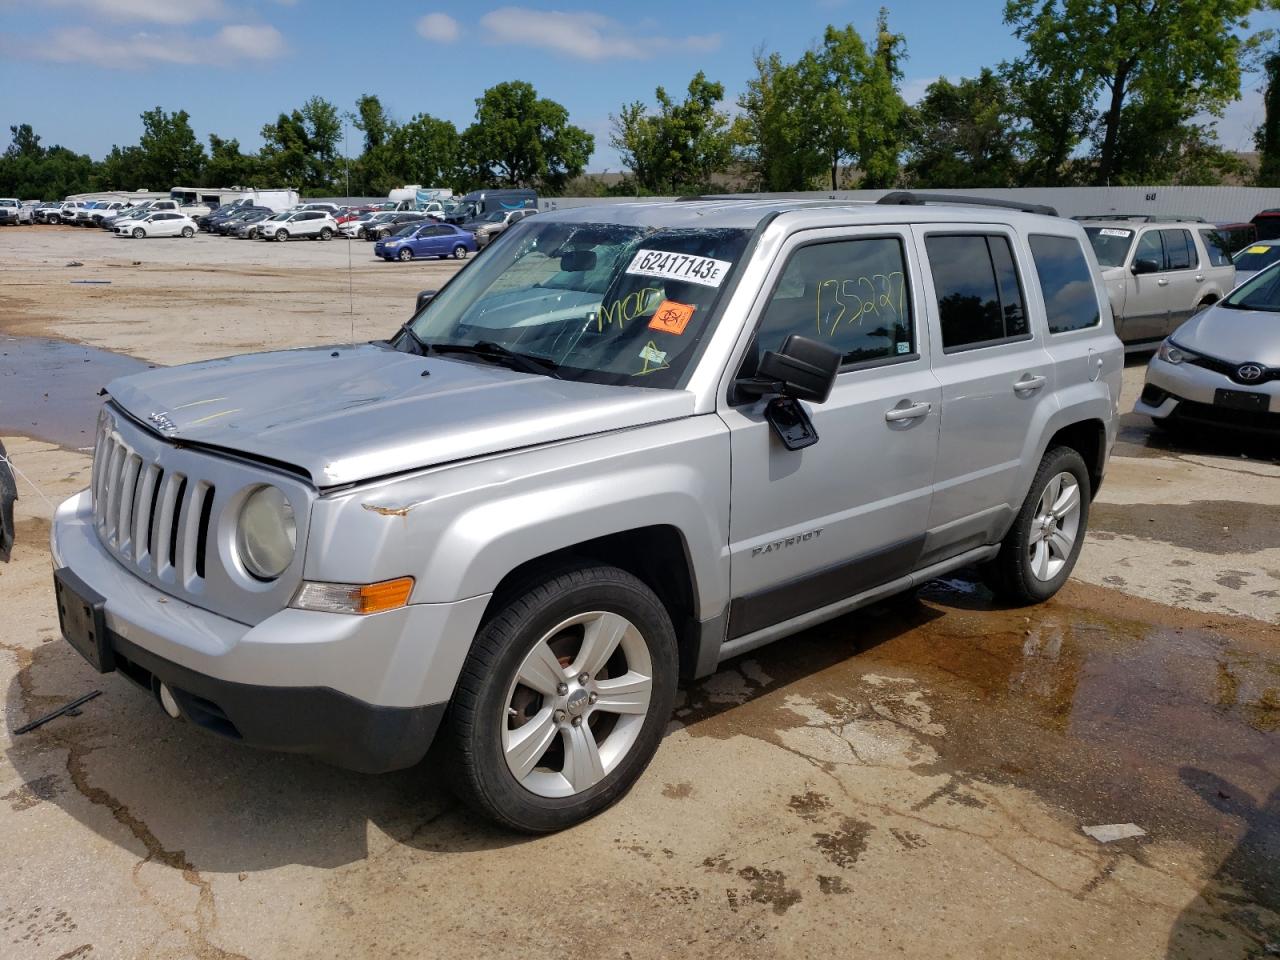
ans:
(153, 519)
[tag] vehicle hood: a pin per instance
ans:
(1239, 336)
(368, 411)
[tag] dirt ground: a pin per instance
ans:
(913, 780)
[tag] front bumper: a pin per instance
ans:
(365, 693)
(1186, 392)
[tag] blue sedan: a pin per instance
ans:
(426, 240)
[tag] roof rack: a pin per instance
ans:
(910, 198)
(1140, 217)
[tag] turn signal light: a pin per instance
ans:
(355, 598)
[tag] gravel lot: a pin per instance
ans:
(911, 780)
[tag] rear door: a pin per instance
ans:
(1184, 272)
(995, 375)
(810, 527)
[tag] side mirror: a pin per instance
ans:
(1144, 266)
(802, 369)
(425, 297)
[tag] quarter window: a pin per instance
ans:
(976, 285)
(1215, 244)
(1070, 301)
(849, 294)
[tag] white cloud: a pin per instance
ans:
(582, 34)
(439, 27)
(170, 12)
(234, 42)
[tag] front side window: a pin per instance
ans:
(848, 294)
(976, 285)
(1070, 301)
(604, 302)
(1150, 248)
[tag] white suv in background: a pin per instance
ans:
(1158, 273)
(303, 223)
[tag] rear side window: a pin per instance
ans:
(978, 294)
(1070, 301)
(1215, 244)
(1179, 250)
(850, 294)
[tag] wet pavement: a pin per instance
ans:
(50, 388)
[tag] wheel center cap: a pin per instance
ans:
(577, 702)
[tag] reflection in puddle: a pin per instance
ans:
(49, 388)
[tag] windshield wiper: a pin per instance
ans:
(488, 350)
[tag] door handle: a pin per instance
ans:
(1034, 382)
(1199, 278)
(1163, 282)
(908, 413)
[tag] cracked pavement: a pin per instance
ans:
(912, 779)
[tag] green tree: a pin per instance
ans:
(300, 148)
(678, 148)
(880, 111)
(30, 171)
(427, 151)
(960, 135)
(1151, 65)
(770, 129)
(519, 139)
(228, 167)
(126, 168)
(1267, 136)
(170, 153)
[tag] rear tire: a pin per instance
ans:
(459, 252)
(1041, 548)
(326, 234)
(591, 734)
(188, 232)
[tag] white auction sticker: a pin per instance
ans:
(1108, 232)
(653, 354)
(679, 266)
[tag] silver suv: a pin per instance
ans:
(627, 444)
(1158, 273)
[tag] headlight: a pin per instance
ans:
(1170, 352)
(266, 534)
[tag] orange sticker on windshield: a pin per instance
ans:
(672, 317)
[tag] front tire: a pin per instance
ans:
(405, 255)
(459, 252)
(563, 699)
(1039, 551)
(138, 233)
(282, 235)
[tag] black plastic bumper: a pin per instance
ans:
(318, 721)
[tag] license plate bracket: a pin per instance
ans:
(83, 619)
(1241, 400)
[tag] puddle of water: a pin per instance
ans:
(1112, 708)
(49, 388)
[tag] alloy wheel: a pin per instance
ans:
(1054, 527)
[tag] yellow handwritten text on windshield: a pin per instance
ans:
(633, 305)
(848, 301)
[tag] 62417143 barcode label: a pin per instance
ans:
(704, 271)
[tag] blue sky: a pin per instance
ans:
(80, 71)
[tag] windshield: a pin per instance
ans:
(1257, 256)
(281, 216)
(1110, 244)
(496, 217)
(606, 303)
(1259, 293)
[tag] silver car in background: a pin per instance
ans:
(1222, 367)
(1254, 258)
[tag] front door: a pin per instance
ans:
(1146, 306)
(813, 526)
